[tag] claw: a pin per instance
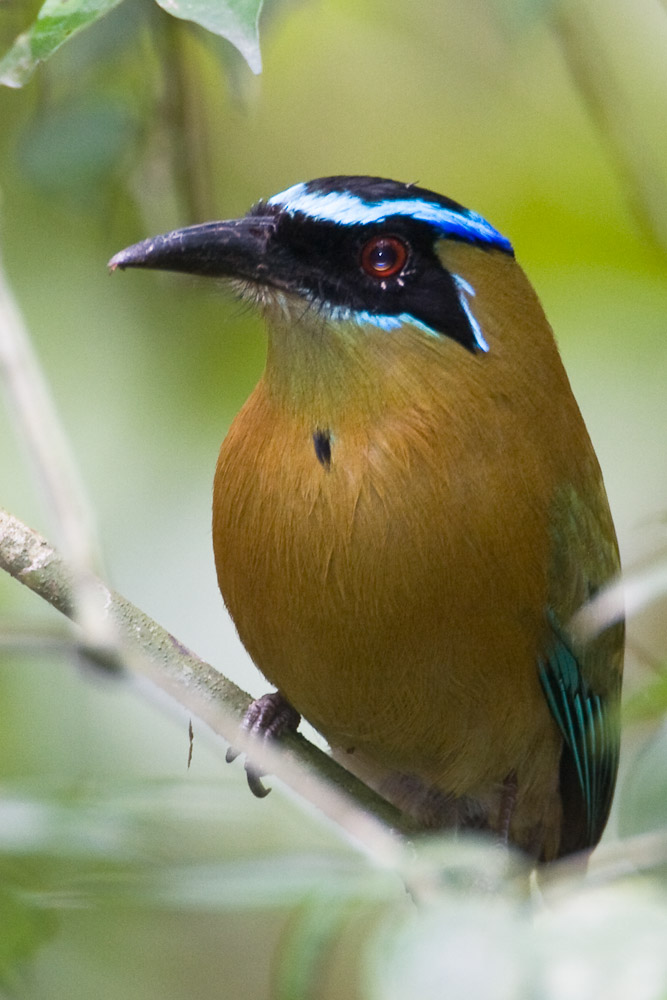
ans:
(267, 717)
(254, 777)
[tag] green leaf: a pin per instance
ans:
(57, 21)
(235, 20)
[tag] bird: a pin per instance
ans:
(408, 511)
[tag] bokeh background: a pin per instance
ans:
(125, 873)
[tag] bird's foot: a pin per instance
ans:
(267, 717)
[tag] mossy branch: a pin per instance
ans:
(138, 648)
(115, 635)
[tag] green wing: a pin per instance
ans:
(589, 725)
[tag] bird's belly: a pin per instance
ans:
(402, 638)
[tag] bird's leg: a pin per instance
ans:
(507, 804)
(267, 717)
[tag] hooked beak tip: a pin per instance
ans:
(133, 256)
(226, 249)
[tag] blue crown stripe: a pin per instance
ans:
(348, 209)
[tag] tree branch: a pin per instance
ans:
(117, 636)
(145, 652)
(46, 444)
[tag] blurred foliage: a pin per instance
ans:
(124, 873)
(60, 20)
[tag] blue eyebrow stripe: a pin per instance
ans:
(348, 209)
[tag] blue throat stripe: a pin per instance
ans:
(463, 290)
(383, 321)
(389, 322)
(349, 209)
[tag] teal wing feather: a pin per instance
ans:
(588, 722)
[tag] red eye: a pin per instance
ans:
(383, 256)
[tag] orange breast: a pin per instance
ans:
(397, 602)
(397, 594)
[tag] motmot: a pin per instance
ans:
(408, 510)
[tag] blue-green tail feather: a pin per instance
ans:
(589, 726)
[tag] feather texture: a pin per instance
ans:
(399, 596)
(408, 510)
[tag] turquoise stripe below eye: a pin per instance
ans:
(342, 314)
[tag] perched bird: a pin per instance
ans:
(408, 510)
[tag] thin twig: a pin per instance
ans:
(33, 637)
(635, 145)
(36, 419)
(60, 486)
(118, 636)
(146, 652)
(624, 598)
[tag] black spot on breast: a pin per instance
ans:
(322, 442)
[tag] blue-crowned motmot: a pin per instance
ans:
(408, 510)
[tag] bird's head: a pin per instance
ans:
(355, 250)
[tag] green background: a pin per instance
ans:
(127, 874)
